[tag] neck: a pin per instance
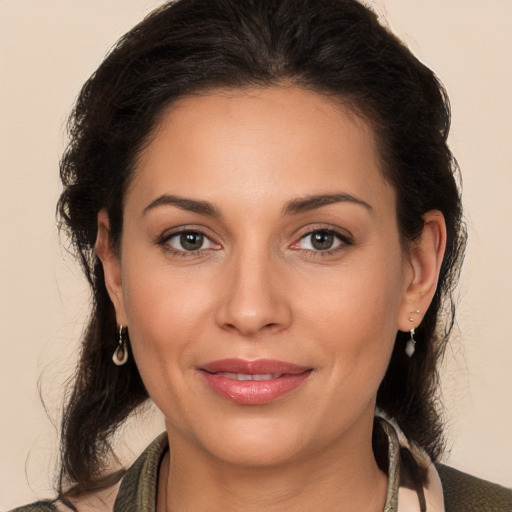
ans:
(342, 476)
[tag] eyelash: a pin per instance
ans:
(344, 241)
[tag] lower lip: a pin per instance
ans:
(254, 392)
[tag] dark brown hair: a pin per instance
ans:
(334, 47)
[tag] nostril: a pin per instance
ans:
(251, 330)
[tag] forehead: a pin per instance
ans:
(259, 143)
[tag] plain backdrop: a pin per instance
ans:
(48, 48)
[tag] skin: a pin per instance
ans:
(258, 288)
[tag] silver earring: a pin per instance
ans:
(410, 346)
(120, 355)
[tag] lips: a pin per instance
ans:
(253, 382)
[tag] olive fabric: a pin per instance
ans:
(40, 506)
(466, 493)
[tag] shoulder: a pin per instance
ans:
(98, 501)
(135, 491)
(466, 493)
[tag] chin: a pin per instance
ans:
(260, 453)
(254, 443)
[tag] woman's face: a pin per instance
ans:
(261, 274)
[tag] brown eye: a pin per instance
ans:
(191, 241)
(322, 240)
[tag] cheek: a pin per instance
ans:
(355, 315)
(359, 299)
(159, 294)
(164, 321)
(165, 311)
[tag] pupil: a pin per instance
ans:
(191, 241)
(322, 240)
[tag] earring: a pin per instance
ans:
(410, 346)
(120, 355)
(417, 312)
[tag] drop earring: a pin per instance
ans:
(410, 346)
(120, 355)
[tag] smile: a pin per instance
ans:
(253, 382)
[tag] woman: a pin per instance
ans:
(263, 201)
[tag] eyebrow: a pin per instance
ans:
(190, 205)
(309, 203)
(293, 207)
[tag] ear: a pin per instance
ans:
(111, 266)
(425, 259)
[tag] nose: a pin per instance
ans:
(253, 297)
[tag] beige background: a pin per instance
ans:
(49, 47)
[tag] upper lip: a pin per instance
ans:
(255, 367)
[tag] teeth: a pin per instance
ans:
(264, 376)
(247, 376)
(228, 375)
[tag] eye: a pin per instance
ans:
(320, 240)
(189, 241)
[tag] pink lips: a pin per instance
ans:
(253, 382)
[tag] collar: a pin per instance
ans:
(138, 489)
(411, 494)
